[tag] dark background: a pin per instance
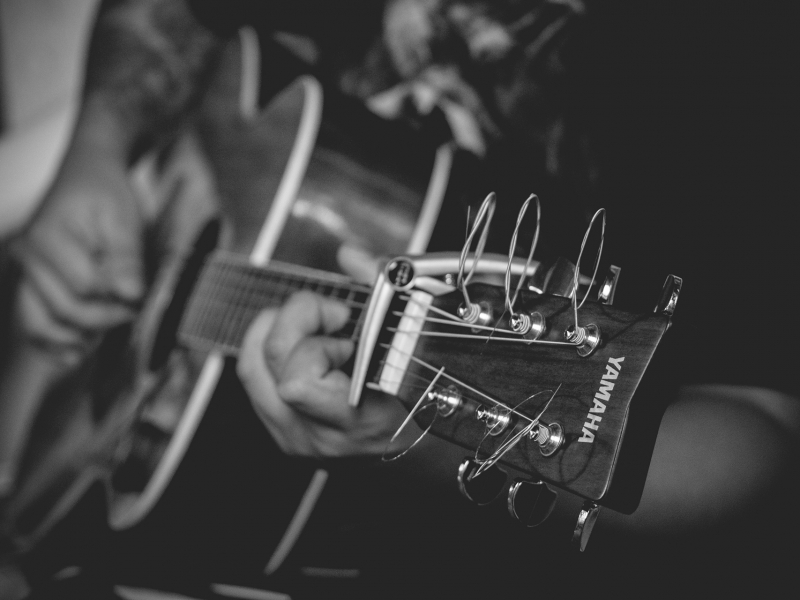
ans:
(692, 108)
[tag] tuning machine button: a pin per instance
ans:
(481, 489)
(669, 296)
(583, 528)
(531, 502)
(550, 438)
(606, 293)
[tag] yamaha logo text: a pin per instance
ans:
(601, 398)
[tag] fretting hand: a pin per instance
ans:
(289, 365)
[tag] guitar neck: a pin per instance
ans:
(231, 292)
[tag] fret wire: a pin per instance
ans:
(247, 308)
(201, 301)
(231, 293)
(209, 282)
(243, 323)
(288, 269)
(219, 323)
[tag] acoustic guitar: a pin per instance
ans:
(552, 402)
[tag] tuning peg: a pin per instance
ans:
(531, 502)
(669, 295)
(583, 528)
(483, 488)
(606, 293)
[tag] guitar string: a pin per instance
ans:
(235, 292)
(385, 362)
(419, 408)
(459, 382)
(576, 307)
(422, 378)
(455, 321)
(481, 337)
(239, 262)
(437, 310)
(510, 302)
(266, 296)
(491, 330)
(414, 411)
(512, 439)
(287, 280)
(482, 219)
(266, 274)
(230, 291)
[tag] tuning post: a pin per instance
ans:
(447, 400)
(531, 326)
(584, 338)
(549, 437)
(496, 420)
(476, 313)
(482, 221)
(469, 313)
(521, 323)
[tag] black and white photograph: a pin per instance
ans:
(398, 299)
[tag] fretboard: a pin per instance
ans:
(230, 292)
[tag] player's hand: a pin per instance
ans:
(289, 365)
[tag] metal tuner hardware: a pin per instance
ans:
(586, 338)
(531, 502)
(480, 489)
(550, 438)
(476, 313)
(583, 528)
(531, 325)
(496, 419)
(448, 400)
(669, 297)
(606, 293)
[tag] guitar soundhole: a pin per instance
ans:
(147, 446)
(165, 338)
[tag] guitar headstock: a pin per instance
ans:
(538, 397)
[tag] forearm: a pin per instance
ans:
(147, 64)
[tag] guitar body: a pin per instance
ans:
(190, 475)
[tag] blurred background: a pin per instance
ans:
(42, 43)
